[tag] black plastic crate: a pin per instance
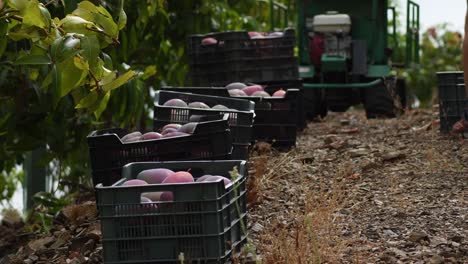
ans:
(451, 111)
(452, 98)
(204, 221)
(254, 71)
(241, 151)
(108, 154)
(240, 120)
(238, 44)
(272, 86)
(237, 57)
(281, 136)
(271, 113)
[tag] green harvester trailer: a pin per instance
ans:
(345, 55)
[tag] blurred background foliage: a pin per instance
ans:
(440, 50)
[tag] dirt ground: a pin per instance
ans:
(352, 191)
(364, 191)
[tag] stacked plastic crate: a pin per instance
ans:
(241, 115)
(452, 98)
(239, 57)
(217, 59)
(197, 219)
(276, 118)
(205, 222)
(201, 217)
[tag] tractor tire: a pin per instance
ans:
(314, 104)
(340, 108)
(378, 101)
(402, 93)
(339, 99)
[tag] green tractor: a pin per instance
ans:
(345, 57)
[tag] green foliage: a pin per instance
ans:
(441, 50)
(55, 81)
(69, 67)
(8, 184)
(47, 206)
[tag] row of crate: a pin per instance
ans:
(206, 221)
(274, 120)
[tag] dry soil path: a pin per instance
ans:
(359, 191)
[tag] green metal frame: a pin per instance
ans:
(394, 28)
(279, 17)
(412, 33)
(343, 85)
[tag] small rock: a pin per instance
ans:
(455, 244)
(330, 139)
(378, 202)
(456, 238)
(448, 253)
(345, 122)
(390, 233)
(436, 241)
(94, 232)
(346, 233)
(350, 130)
(257, 227)
(369, 164)
(400, 214)
(73, 261)
(40, 243)
(388, 257)
(338, 144)
(436, 260)
(417, 236)
(28, 261)
(33, 257)
(424, 213)
(393, 243)
(372, 234)
(392, 155)
(345, 211)
(399, 253)
(354, 153)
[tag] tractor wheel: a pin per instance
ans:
(402, 93)
(314, 104)
(339, 99)
(340, 108)
(378, 101)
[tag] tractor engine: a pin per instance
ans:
(330, 41)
